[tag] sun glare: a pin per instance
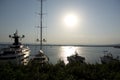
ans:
(70, 20)
(67, 51)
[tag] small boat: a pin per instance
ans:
(107, 58)
(40, 57)
(76, 58)
(16, 53)
(117, 46)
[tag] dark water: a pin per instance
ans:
(91, 54)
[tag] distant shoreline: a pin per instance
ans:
(64, 45)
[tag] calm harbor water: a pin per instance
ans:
(91, 54)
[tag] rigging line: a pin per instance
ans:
(35, 39)
(45, 30)
(45, 37)
(41, 16)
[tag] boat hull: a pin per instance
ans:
(16, 56)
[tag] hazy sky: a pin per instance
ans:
(97, 21)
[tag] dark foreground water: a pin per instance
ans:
(91, 54)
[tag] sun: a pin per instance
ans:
(71, 20)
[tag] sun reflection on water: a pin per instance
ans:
(67, 51)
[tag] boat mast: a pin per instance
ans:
(41, 1)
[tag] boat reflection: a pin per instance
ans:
(67, 51)
(26, 58)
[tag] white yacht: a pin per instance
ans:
(76, 58)
(40, 58)
(16, 53)
(108, 57)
